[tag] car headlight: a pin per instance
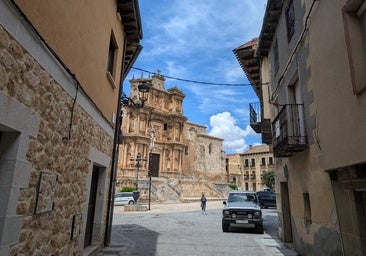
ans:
(226, 212)
(257, 214)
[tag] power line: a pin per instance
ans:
(188, 80)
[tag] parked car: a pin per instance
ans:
(242, 210)
(124, 198)
(266, 199)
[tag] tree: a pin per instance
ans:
(269, 179)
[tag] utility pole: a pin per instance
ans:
(152, 139)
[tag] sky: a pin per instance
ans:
(194, 40)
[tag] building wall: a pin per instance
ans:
(56, 135)
(337, 86)
(34, 120)
(311, 216)
(253, 174)
(337, 149)
(235, 169)
(249, 176)
(211, 158)
(204, 155)
(92, 23)
(321, 201)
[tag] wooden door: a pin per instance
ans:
(91, 207)
(155, 159)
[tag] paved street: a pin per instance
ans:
(181, 229)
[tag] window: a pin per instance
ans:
(165, 126)
(270, 160)
(290, 20)
(263, 161)
(246, 163)
(186, 150)
(252, 176)
(360, 206)
(210, 148)
(276, 58)
(277, 129)
(307, 209)
(253, 162)
(111, 56)
(354, 21)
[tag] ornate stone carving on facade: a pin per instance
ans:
(176, 148)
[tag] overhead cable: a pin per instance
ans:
(191, 81)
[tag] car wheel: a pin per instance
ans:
(259, 229)
(131, 202)
(225, 227)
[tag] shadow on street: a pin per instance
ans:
(135, 238)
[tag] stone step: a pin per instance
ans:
(135, 208)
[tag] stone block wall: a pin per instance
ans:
(25, 82)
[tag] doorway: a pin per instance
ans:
(349, 188)
(155, 159)
(286, 213)
(91, 207)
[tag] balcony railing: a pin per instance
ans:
(288, 130)
(255, 116)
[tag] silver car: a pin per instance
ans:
(242, 210)
(124, 198)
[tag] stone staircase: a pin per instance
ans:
(186, 189)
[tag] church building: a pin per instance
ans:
(169, 146)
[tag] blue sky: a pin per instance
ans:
(194, 40)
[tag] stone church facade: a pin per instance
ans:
(181, 150)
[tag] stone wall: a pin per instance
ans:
(27, 83)
(205, 156)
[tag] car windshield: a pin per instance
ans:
(241, 197)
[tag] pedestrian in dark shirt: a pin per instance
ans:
(203, 203)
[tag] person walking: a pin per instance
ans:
(203, 203)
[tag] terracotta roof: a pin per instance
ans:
(131, 20)
(130, 15)
(257, 149)
(269, 26)
(250, 63)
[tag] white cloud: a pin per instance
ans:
(191, 26)
(194, 40)
(223, 125)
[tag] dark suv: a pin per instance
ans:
(266, 199)
(242, 210)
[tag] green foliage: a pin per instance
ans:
(269, 179)
(127, 189)
(233, 186)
